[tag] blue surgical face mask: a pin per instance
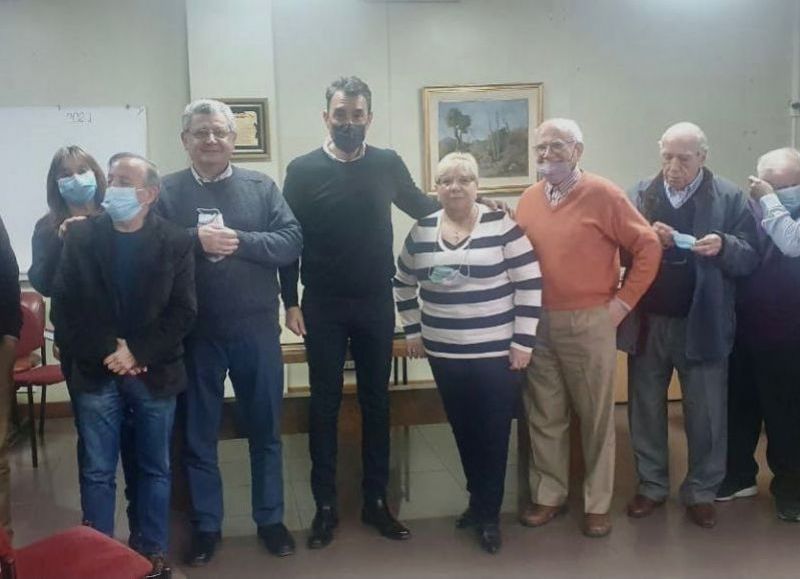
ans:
(78, 190)
(121, 203)
(447, 276)
(789, 198)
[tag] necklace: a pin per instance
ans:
(456, 232)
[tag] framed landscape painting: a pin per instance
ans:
(493, 122)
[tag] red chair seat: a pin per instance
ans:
(80, 553)
(40, 376)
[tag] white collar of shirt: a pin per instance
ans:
(327, 146)
(678, 198)
(224, 175)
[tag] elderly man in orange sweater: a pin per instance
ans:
(578, 223)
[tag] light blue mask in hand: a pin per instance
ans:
(683, 240)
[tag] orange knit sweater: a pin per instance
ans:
(578, 244)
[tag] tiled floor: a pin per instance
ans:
(427, 489)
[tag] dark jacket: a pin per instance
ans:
(46, 245)
(165, 305)
(10, 312)
(720, 207)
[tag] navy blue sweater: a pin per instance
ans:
(240, 291)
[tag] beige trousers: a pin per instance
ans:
(572, 370)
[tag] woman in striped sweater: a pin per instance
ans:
(477, 277)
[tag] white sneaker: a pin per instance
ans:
(725, 495)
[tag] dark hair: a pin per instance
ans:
(351, 86)
(59, 210)
(152, 178)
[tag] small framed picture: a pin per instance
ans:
(493, 122)
(252, 129)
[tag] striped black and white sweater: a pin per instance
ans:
(495, 304)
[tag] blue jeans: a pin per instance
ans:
(103, 414)
(253, 359)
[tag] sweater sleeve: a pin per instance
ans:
(281, 240)
(637, 238)
(406, 290)
(408, 196)
(523, 270)
(46, 247)
(10, 312)
(289, 274)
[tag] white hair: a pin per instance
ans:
(207, 107)
(683, 129)
(457, 159)
(567, 126)
(781, 160)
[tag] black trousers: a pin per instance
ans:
(764, 384)
(367, 326)
(479, 397)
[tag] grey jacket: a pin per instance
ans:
(720, 207)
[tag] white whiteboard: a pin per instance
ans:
(32, 136)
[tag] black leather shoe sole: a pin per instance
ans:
(391, 529)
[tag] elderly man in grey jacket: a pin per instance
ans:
(685, 321)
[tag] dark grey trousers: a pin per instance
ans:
(705, 396)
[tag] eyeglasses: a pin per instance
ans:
(556, 147)
(204, 134)
(461, 181)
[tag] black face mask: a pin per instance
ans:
(348, 137)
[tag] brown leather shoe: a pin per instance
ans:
(596, 524)
(702, 515)
(537, 515)
(642, 506)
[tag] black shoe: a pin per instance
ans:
(788, 511)
(202, 549)
(160, 570)
(489, 537)
(731, 489)
(467, 519)
(277, 539)
(376, 513)
(325, 521)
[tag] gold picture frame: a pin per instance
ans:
(252, 128)
(494, 122)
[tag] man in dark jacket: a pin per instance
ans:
(10, 325)
(764, 376)
(243, 231)
(126, 300)
(685, 321)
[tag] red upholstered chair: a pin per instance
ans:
(77, 553)
(31, 369)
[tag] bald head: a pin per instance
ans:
(566, 129)
(780, 167)
(687, 133)
(683, 154)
